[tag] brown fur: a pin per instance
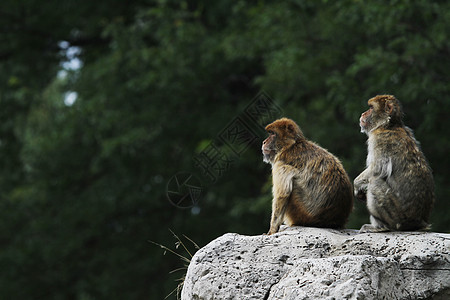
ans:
(310, 185)
(398, 182)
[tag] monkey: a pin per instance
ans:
(397, 184)
(309, 184)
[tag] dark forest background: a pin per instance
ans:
(103, 102)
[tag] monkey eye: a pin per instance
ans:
(270, 132)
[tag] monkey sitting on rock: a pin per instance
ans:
(310, 185)
(397, 183)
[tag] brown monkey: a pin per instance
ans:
(397, 183)
(310, 185)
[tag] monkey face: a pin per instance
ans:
(365, 120)
(268, 148)
(384, 110)
(283, 133)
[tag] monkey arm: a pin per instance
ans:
(362, 180)
(361, 184)
(282, 177)
(381, 168)
(279, 206)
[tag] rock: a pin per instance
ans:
(315, 263)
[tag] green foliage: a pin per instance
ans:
(83, 185)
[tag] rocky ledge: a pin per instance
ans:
(315, 263)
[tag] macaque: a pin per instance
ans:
(310, 185)
(398, 182)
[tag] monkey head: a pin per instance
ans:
(283, 133)
(384, 111)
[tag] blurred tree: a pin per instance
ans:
(83, 179)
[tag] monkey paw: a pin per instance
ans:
(273, 231)
(366, 228)
(361, 196)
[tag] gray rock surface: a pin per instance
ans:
(314, 263)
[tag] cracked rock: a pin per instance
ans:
(317, 263)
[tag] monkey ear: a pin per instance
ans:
(389, 107)
(291, 128)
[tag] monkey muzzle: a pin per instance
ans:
(362, 122)
(266, 150)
